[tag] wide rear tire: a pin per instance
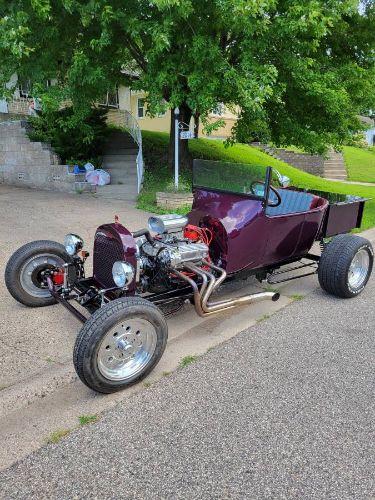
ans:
(24, 268)
(120, 344)
(346, 265)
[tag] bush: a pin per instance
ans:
(75, 141)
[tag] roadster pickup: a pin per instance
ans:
(243, 222)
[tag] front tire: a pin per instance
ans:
(120, 344)
(23, 273)
(346, 265)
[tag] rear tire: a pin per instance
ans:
(120, 344)
(346, 265)
(23, 271)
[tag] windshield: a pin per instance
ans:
(240, 178)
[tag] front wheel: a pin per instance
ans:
(24, 271)
(120, 344)
(346, 265)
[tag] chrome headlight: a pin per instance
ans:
(73, 244)
(122, 273)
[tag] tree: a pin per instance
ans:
(297, 72)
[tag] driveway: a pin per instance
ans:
(39, 390)
(283, 410)
(28, 215)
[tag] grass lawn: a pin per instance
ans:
(360, 164)
(157, 175)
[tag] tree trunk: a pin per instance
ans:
(185, 158)
(196, 124)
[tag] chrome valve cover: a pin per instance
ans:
(185, 252)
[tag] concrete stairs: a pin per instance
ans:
(334, 167)
(120, 160)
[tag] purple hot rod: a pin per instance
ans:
(243, 222)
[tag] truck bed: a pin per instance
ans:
(344, 213)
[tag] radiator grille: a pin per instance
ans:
(107, 251)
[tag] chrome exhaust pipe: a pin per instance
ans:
(202, 296)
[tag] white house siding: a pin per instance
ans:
(370, 136)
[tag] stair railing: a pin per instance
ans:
(132, 126)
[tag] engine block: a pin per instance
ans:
(175, 254)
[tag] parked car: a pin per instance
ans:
(243, 222)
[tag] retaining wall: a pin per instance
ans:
(30, 164)
(313, 164)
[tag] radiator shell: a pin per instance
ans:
(113, 242)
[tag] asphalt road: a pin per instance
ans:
(283, 410)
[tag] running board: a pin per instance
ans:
(313, 265)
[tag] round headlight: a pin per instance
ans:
(123, 273)
(73, 244)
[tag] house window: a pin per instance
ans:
(111, 99)
(141, 108)
(218, 109)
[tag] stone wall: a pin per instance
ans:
(171, 201)
(313, 164)
(19, 106)
(30, 164)
(9, 117)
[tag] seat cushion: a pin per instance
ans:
(291, 202)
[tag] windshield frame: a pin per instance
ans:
(267, 183)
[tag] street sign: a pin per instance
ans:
(186, 134)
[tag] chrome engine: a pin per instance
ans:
(170, 255)
(169, 248)
(175, 253)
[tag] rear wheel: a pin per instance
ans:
(120, 344)
(24, 271)
(346, 265)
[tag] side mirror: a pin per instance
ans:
(283, 179)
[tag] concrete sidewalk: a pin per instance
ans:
(283, 410)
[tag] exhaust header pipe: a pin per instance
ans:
(209, 284)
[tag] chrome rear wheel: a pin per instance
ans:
(359, 269)
(346, 265)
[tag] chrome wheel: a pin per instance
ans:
(31, 273)
(359, 269)
(126, 349)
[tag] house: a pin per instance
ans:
(370, 130)
(120, 102)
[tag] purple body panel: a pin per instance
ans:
(250, 238)
(113, 242)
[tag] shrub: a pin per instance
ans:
(75, 141)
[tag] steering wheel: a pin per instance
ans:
(258, 188)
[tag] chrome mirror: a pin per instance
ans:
(283, 179)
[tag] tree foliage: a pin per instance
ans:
(297, 72)
(74, 141)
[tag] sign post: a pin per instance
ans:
(179, 133)
(176, 145)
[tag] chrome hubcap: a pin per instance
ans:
(126, 349)
(30, 274)
(358, 269)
